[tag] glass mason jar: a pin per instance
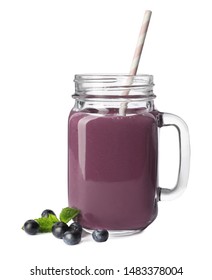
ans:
(113, 152)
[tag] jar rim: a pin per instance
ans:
(114, 86)
(146, 79)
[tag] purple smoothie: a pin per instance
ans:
(112, 169)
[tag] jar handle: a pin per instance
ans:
(168, 119)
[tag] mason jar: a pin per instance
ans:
(113, 152)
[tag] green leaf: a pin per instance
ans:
(46, 223)
(68, 213)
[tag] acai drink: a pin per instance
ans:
(113, 157)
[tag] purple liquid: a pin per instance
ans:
(112, 169)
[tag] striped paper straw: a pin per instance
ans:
(136, 57)
(140, 43)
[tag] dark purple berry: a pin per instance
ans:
(59, 229)
(100, 235)
(31, 227)
(46, 213)
(72, 238)
(75, 227)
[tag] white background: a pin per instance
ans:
(42, 45)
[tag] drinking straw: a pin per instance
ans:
(136, 57)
